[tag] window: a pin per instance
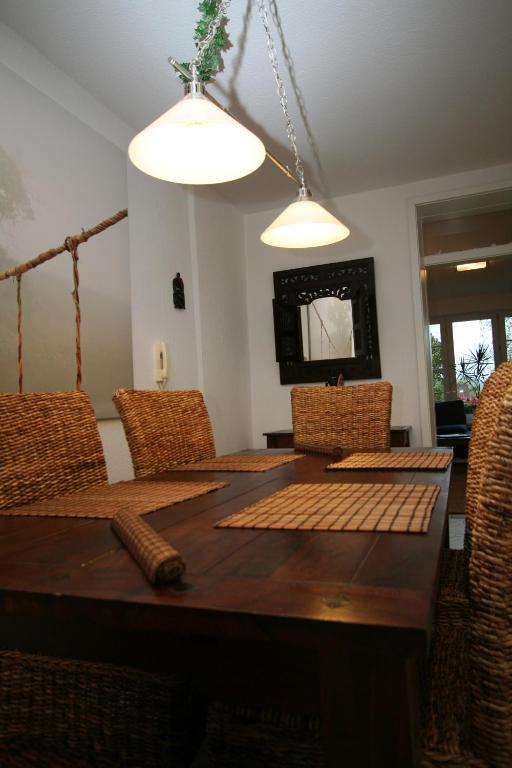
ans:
(473, 352)
(437, 361)
(507, 321)
(465, 351)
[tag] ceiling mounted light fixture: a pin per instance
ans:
(199, 142)
(304, 223)
(195, 142)
(471, 265)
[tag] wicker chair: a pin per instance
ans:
(447, 728)
(164, 429)
(482, 432)
(470, 707)
(490, 582)
(58, 712)
(49, 446)
(454, 576)
(330, 419)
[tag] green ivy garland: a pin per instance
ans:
(211, 59)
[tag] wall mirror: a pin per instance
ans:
(325, 322)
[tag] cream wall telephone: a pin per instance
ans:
(160, 369)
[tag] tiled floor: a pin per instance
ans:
(456, 531)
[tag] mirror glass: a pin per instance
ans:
(327, 329)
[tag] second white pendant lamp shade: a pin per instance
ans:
(195, 142)
(304, 224)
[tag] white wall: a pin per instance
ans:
(382, 225)
(64, 167)
(219, 241)
(160, 247)
(115, 448)
(57, 176)
(196, 233)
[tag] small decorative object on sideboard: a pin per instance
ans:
(178, 292)
(335, 380)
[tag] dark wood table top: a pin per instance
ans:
(60, 575)
(330, 622)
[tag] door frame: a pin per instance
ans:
(419, 297)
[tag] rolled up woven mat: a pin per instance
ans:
(161, 563)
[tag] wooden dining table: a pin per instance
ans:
(335, 623)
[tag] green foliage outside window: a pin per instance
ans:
(473, 369)
(437, 368)
(508, 336)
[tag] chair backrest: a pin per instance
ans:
(164, 428)
(482, 431)
(356, 417)
(490, 581)
(49, 445)
(450, 416)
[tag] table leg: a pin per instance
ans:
(370, 711)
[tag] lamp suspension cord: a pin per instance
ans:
(281, 92)
(208, 38)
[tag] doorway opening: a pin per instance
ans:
(466, 256)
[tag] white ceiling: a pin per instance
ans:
(393, 90)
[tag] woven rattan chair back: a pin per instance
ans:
(482, 432)
(328, 419)
(164, 429)
(49, 445)
(490, 580)
(61, 713)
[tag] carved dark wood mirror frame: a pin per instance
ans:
(352, 280)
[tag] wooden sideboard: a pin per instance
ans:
(283, 438)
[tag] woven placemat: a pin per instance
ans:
(422, 460)
(255, 462)
(402, 508)
(105, 500)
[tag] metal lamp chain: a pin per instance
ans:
(208, 38)
(281, 92)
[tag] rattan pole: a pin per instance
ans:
(73, 249)
(81, 238)
(20, 336)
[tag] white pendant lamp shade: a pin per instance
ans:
(304, 224)
(195, 142)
